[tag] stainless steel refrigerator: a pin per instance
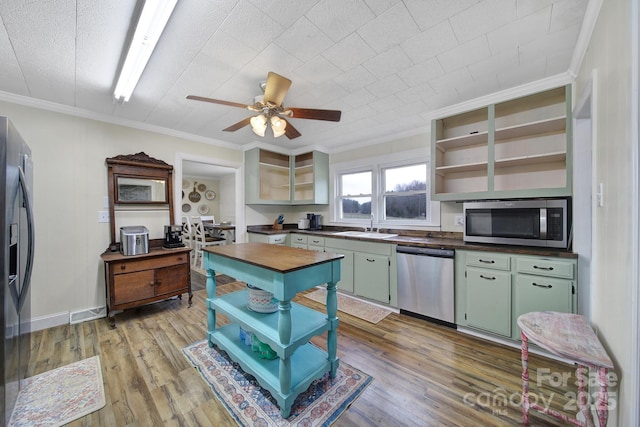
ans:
(16, 252)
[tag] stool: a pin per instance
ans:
(568, 336)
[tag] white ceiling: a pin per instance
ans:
(387, 64)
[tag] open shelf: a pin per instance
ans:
(308, 322)
(442, 170)
(462, 141)
(556, 124)
(531, 160)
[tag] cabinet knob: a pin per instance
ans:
(543, 268)
(487, 261)
(370, 260)
(122, 266)
(180, 258)
(487, 277)
(152, 283)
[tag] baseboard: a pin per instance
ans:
(88, 314)
(50, 321)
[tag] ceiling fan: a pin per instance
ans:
(272, 111)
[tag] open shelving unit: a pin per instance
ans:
(517, 148)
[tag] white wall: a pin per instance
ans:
(70, 183)
(615, 258)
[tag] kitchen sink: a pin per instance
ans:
(368, 234)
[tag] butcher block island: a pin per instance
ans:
(282, 271)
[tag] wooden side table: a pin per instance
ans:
(568, 336)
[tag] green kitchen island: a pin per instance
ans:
(283, 271)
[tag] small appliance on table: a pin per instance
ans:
(134, 240)
(172, 236)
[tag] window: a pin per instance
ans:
(395, 192)
(405, 193)
(355, 195)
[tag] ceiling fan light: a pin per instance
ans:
(259, 124)
(278, 126)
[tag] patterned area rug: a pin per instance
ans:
(59, 396)
(251, 405)
(355, 307)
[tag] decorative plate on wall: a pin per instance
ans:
(203, 209)
(210, 195)
(185, 184)
(202, 187)
(186, 207)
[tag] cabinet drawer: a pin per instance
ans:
(546, 267)
(316, 241)
(489, 260)
(123, 267)
(278, 239)
(298, 239)
(132, 287)
(299, 245)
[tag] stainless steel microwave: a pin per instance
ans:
(539, 222)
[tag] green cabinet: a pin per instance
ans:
(280, 179)
(489, 300)
(369, 269)
(315, 243)
(513, 149)
(371, 276)
(494, 289)
(298, 241)
(543, 284)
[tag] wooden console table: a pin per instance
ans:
(283, 271)
(132, 281)
(568, 336)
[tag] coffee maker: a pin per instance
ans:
(315, 221)
(173, 236)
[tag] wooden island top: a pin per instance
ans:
(278, 258)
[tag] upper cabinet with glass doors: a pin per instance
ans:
(518, 148)
(280, 179)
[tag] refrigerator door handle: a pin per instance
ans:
(30, 240)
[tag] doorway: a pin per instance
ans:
(231, 195)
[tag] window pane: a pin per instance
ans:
(406, 207)
(407, 178)
(356, 208)
(356, 183)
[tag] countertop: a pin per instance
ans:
(427, 239)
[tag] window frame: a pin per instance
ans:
(377, 166)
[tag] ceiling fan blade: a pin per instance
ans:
(239, 125)
(276, 88)
(217, 101)
(290, 131)
(310, 113)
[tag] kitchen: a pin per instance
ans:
(74, 188)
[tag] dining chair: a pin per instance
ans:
(202, 240)
(188, 235)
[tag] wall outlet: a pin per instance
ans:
(103, 216)
(459, 220)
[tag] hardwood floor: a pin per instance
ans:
(424, 374)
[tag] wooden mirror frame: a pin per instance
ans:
(139, 165)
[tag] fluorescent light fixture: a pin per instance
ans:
(153, 19)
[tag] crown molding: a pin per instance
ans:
(584, 37)
(85, 114)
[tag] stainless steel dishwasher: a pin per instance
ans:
(425, 282)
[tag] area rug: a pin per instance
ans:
(59, 396)
(251, 405)
(355, 307)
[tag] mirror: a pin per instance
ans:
(140, 190)
(138, 185)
